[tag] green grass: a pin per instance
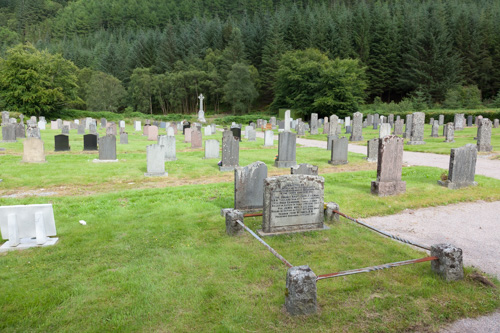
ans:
(159, 260)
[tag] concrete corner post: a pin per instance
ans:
(301, 294)
(330, 216)
(232, 227)
(449, 264)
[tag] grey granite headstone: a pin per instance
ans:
(61, 142)
(329, 140)
(417, 129)
(441, 120)
(372, 150)
(304, 169)
(496, 123)
(269, 138)
(124, 138)
(478, 118)
(33, 151)
(459, 121)
(357, 127)
(301, 129)
(92, 128)
(286, 150)
(20, 130)
(398, 127)
(107, 148)
(196, 138)
(369, 120)
(435, 129)
(65, 129)
(389, 167)
(207, 130)
(293, 203)
(314, 123)
(168, 142)
(211, 149)
(59, 124)
(326, 127)
(90, 142)
(484, 135)
(9, 133)
(230, 151)
(81, 129)
(137, 125)
(384, 130)
(334, 120)
(390, 119)
(449, 132)
(407, 133)
(339, 151)
(469, 121)
(348, 129)
(5, 118)
(301, 291)
(155, 155)
(273, 121)
(32, 131)
(103, 122)
(252, 134)
(462, 167)
(249, 186)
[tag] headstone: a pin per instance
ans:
(156, 123)
(357, 127)
(187, 135)
(236, 132)
(301, 129)
(168, 142)
(326, 128)
(435, 129)
(111, 129)
(478, 118)
(252, 135)
(76, 121)
(269, 138)
(208, 130)
(391, 119)
(398, 127)
(407, 133)
(417, 129)
(484, 135)
(441, 120)
(66, 123)
(185, 126)
(314, 123)
(211, 149)
(65, 129)
(59, 124)
(496, 123)
(153, 133)
(348, 129)
(81, 129)
(281, 125)
(304, 169)
(389, 167)
(287, 120)
(286, 150)
(137, 126)
(61, 142)
(41, 125)
(431, 121)
(155, 157)
(73, 126)
(33, 151)
(124, 138)
(122, 123)
(9, 133)
(13, 121)
(20, 130)
(170, 131)
(230, 151)
(273, 121)
(103, 122)
(5, 118)
(334, 121)
(375, 125)
(459, 121)
(449, 132)
(196, 139)
(293, 203)
(213, 128)
(347, 121)
(462, 167)
(376, 119)
(249, 186)
(369, 120)
(469, 121)
(90, 142)
(88, 121)
(32, 131)
(107, 148)
(385, 130)
(372, 150)
(339, 151)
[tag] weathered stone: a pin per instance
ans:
(81, 129)
(9, 133)
(390, 119)
(273, 121)
(292, 203)
(301, 292)
(93, 128)
(230, 151)
(103, 122)
(286, 150)
(450, 262)
(330, 215)
(407, 133)
(61, 142)
(196, 139)
(90, 142)
(269, 138)
(385, 130)
(435, 129)
(236, 132)
(459, 121)
(5, 118)
(33, 151)
(314, 123)
(389, 167)
(171, 131)
(153, 133)
(162, 124)
(449, 132)
(372, 150)
(326, 128)
(211, 149)
(124, 138)
(42, 124)
(137, 126)
(348, 130)
(249, 186)
(233, 228)
(357, 127)
(252, 135)
(369, 120)
(339, 151)
(469, 121)
(65, 129)
(207, 129)
(287, 120)
(155, 161)
(107, 148)
(398, 127)
(168, 142)
(59, 123)
(484, 135)
(462, 167)
(20, 130)
(417, 129)
(333, 128)
(496, 123)
(32, 131)
(441, 120)
(477, 120)
(304, 169)
(111, 128)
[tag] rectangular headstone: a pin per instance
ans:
(249, 186)
(20, 130)
(449, 132)
(124, 138)
(81, 129)
(169, 143)
(287, 120)
(107, 148)
(389, 167)
(484, 135)
(153, 133)
(314, 123)
(196, 139)
(435, 129)
(372, 150)
(459, 121)
(90, 142)
(252, 135)
(398, 127)
(269, 138)
(155, 156)
(417, 129)
(33, 151)
(286, 150)
(384, 130)
(339, 151)
(462, 167)
(9, 133)
(211, 149)
(61, 142)
(230, 151)
(137, 126)
(441, 120)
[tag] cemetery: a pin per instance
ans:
(158, 209)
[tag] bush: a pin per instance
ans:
(468, 97)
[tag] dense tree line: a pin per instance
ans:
(166, 52)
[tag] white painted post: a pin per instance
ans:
(13, 230)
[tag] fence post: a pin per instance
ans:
(301, 293)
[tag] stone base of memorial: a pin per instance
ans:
(227, 168)
(103, 161)
(356, 138)
(337, 162)
(156, 174)
(415, 143)
(26, 243)
(455, 185)
(284, 164)
(388, 188)
(8, 141)
(484, 148)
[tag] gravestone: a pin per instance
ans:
(484, 135)
(314, 123)
(339, 151)
(398, 127)
(196, 139)
(348, 130)
(417, 129)
(407, 133)
(32, 131)
(293, 203)
(90, 142)
(230, 151)
(301, 129)
(208, 130)
(478, 118)
(273, 121)
(81, 129)
(496, 123)
(304, 169)
(65, 129)
(372, 150)
(9, 133)
(41, 125)
(347, 121)
(169, 143)
(369, 120)
(459, 121)
(287, 120)
(389, 167)
(187, 135)
(122, 123)
(469, 121)
(33, 151)
(153, 133)
(247, 128)
(431, 121)
(462, 167)
(213, 128)
(385, 130)
(211, 149)
(107, 149)
(59, 123)
(201, 113)
(269, 138)
(236, 132)
(20, 130)
(185, 126)
(286, 150)
(376, 120)
(111, 129)
(435, 129)
(156, 123)
(449, 132)
(155, 157)
(375, 125)
(66, 123)
(73, 125)
(252, 135)
(441, 120)
(390, 119)
(124, 138)
(170, 131)
(249, 186)
(326, 128)
(163, 124)
(61, 142)
(334, 121)
(137, 126)
(5, 117)
(103, 122)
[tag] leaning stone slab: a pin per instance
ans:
(450, 262)
(249, 186)
(462, 167)
(301, 291)
(389, 167)
(449, 132)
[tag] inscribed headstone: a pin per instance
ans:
(389, 167)
(249, 186)
(211, 149)
(462, 167)
(339, 151)
(33, 151)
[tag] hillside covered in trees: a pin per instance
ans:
(156, 56)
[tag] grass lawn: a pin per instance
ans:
(154, 255)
